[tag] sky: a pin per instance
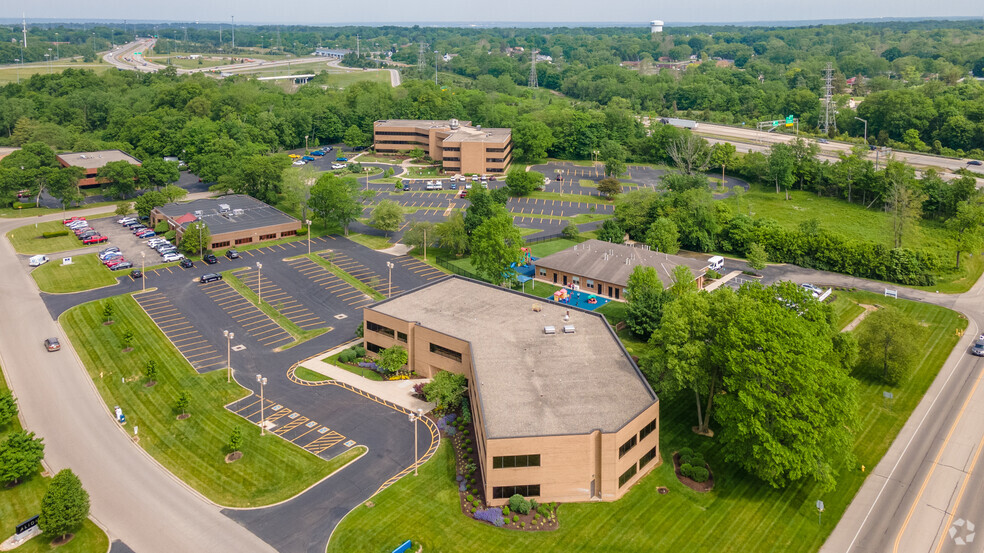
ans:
(585, 12)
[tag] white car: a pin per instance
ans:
(546, 181)
(337, 166)
(126, 220)
(172, 257)
(154, 242)
(298, 163)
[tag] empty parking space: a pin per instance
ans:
(202, 355)
(360, 272)
(419, 268)
(285, 304)
(256, 323)
(349, 295)
(291, 426)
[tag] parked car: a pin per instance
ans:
(51, 344)
(298, 163)
(104, 257)
(148, 234)
(136, 273)
(975, 162)
(132, 223)
(172, 257)
(978, 347)
(157, 241)
(210, 277)
(187, 263)
(72, 220)
(109, 249)
(114, 262)
(307, 158)
(126, 220)
(463, 193)
(815, 290)
(38, 260)
(77, 224)
(95, 240)
(341, 159)
(137, 229)
(87, 235)
(338, 166)
(121, 266)
(318, 153)
(431, 185)
(232, 254)
(210, 259)
(822, 140)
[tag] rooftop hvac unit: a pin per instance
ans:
(198, 212)
(549, 330)
(223, 207)
(454, 123)
(238, 211)
(568, 329)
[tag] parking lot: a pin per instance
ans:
(292, 426)
(200, 353)
(249, 319)
(274, 296)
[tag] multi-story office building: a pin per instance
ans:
(460, 147)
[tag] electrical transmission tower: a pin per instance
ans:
(358, 46)
(421, 62)
(437, 57)
(533, 83)
(828, 112)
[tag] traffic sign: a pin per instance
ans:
(789, 120)
(775, 123)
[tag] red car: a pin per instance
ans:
(72, 220)
(114, 262)
(94, 240)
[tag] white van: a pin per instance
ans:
(38, 260)
(715, 263)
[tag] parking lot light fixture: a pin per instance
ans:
(143, 277)
(229, 336)
(262, 381)
(414, 417)
(259, 281)
(389, 265)
(308, 221)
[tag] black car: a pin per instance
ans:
(136, 273)
(975, 162)
(210, 259)
(121, 266)
(210, 277)
(186, 263)
(232, 254)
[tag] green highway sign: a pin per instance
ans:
(789, 119)
(775, 123)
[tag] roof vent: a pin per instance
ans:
(568, 329)
(454, 123)
(198, 212)
(238, 211)
(549, 330)
(223, 208)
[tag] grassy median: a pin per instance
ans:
(299, 334)
(741, 514)
(85, 273)
(21, 502)
(194, 449)
(29, 239)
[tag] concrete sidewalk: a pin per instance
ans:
(399, 392)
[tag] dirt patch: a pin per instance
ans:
(696, 486)
(62, 540)
(234, 456)
(150, 384)
(857, 320)
(127, 350)
(183, 416)
(107, 323)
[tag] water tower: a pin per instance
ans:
(656, 26)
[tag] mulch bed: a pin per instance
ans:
(183, 416)
(696, 486)
(234, 456)
(57, 542)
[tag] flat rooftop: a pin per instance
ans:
(472, 134)
(420, 123)
(245, 213)
(530, 383)
(95, 160)
(599, 260)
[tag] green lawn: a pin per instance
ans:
(299, 334)
(364, 373)
(85, 273)
(13, 212)
(845, 309)
(348, 78)
(741, 514)
(308, 374)
(10, 73)
(23, 501)
(421, 172)
(194, 450)
(370, 241)
(569, 197)
(28, 239)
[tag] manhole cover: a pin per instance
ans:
(662, 490)
(240, 347)
(350, 443)
(341, 316)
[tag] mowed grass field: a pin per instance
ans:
(23, 501)
(85, 273)
(741, 514)
(194, 449)
(9, 73)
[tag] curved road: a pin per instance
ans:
(134, 498)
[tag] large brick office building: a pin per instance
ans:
(460, 147)
(92, 162)
(561, 412)
(232, 220)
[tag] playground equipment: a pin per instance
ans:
(561, 295)
(527, 256)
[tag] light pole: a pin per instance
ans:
(47, 58)
(389, 265)
(18, 70)
(367, 177)
(414, 417)
(259, 281)
(865, 121)
(262, 381)
(229, 336)
(143, 277)
(308, 221)
(57, 49)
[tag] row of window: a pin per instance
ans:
(452, 159)
(643, 461)
(647, 430)
(445, 352)
(267, 236)
(631, 442)
(627, 446)
(380, 329)
(494, 160)
(451, 149)
(374, 347)
(515, 461)
(217, 245)
(505, 492)
(401, 133)
(288, 233)
(246, 240)
(397, 142)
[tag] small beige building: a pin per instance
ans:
(561, 411)
(92, 162)
(460, 147)
(233, 220)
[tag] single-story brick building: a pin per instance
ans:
(92, 162)
(232, 220)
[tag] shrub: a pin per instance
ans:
(472, 480)
(534, 505)
(505, 510)
(54, 234)
(522, 525)
(519, 504)
(543, 511)
(346, 356)
(162, 227)
(302, 231)
(462, 486)
(712, 274)
(470, 450)
(571, 232)
(467, 441)
(360, 351)
(476, 503)
(493, 515)
(699, 474)
(418, 389)
(170, 235)
(686, 469)
(515, 518)
(690, 457)
(469, 498)
(465, 431)
(473, 509)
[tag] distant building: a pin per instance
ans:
(680, 123)
(6, 151)
(461, 147)
(655, 26)
(92, 162)
(231, 220)
(561, 412)
(603, 268)
(332, 52)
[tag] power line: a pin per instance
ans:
(533, 82)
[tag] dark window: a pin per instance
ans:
(626, 447)
(505, 492)
(452, 159)
(647, 430)
(649, 456)
(373, 347)
(515, 461)
(244, 240)
(287, 233)
(218, 245)
(379, 329)
(627, 475)
(445, 352)
(401, 336)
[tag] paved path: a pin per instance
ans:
(139, 502)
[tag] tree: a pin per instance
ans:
(901, 201)
(446, 390)
(663, 236)
(120, 176)
(64, 185)
(520, 182)
(173, 193)
(419, 234)
(571, 232)
(609, 187)
(355, 138)
(64, 507)
(236, 440)
(20, 454)
(150, 371)
(613, 155)
(259, 176)
(756, 256)
(197, 238)
(495, 245)
(296, 185)
(181, 402)
(885, 339)
(108, 312)
(683, 281)
(531, 140)
(723, 155)
(8, 407)
(690, 153)
(392, 359)
(452, 234)
(160, 173)
(122, 208)
(645, 298)
(780, 166)
(387, 216)
(483, 205)
(967, 227)
(336, 200)
(127, 338)
(146, 202)
(610, 231)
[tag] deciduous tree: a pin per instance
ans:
(967, 227)
(20, 454)
(338, 201)
(645, 297)
(197, 238)
(885, 345)
(8, 407)
(609, 187)
(64, 507)
(387, 216)
(447, 390)
(520, 182)
(495, 245)
(452, 234)
(392, 359)
(419, 233)
(663, 236)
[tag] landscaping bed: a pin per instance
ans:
(355, 360)
(680, 460)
